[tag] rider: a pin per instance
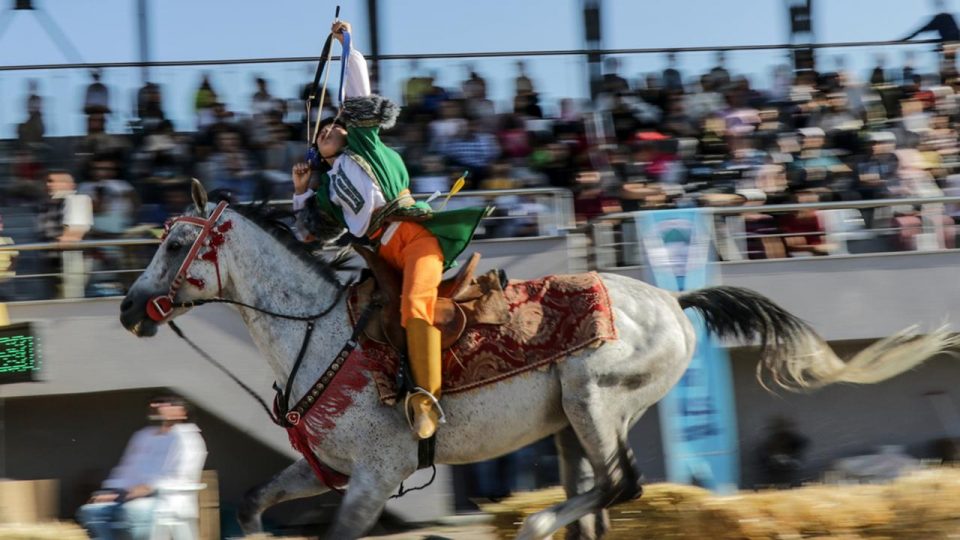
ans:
(364, 188)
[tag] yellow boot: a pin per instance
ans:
(423, 347)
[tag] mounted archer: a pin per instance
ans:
(364, 189)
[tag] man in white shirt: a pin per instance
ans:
(159, 461)
(66, 217)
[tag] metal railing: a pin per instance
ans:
(477, 54)
(106, 267)
(753, 233)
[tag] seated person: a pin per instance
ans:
(167, 455)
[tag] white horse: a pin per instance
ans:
(588, 401)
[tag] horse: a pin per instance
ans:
(587, 402)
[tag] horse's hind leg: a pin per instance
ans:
(295, 482)
(576, 474)
(601, 427)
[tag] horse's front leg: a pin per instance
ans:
(366, 496)
(295, 482)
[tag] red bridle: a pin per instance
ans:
(159, 308)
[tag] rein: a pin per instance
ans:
(283, 396)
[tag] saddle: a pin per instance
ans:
(463, 301)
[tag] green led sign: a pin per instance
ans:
(19, 353)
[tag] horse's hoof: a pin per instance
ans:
(537, 526)
(250, 522)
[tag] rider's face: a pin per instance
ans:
(332, 140)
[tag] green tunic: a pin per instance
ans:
(454, 229)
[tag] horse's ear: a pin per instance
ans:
(199, 197)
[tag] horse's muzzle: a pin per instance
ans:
(133, 315)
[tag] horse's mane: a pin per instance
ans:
(276, 222)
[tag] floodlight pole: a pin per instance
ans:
(143, 29)
(373, 18)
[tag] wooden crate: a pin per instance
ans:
(209, 522)
(29, 501)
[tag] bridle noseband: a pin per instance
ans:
(160, 308)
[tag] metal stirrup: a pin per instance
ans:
(436, 403)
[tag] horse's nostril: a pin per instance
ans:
(126, 304)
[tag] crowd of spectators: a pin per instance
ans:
(668, 139)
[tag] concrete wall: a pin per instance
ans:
(858, 296)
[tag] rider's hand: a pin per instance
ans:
(103, 497)
(339, 28)
(139, 491)
(301, 177)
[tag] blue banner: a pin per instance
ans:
(697, 417)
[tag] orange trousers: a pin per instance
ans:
(415, 252)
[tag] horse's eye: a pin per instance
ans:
(173, 246)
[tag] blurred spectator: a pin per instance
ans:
(839, 123)
(477, 104)
(612, 82)
(416, 87)
(97, 97)
(592, 200)
(672, 79)
(878, 76)
(204, 101)
(719, 74)
(435, 96)
(817, 171)
(150, 106)
(433, 177)
(261, 102)
(98, 142)
(782, 453)
(653, 92)
(28, 184)
(474, 87)
(114, 201)
(909, 59)
(523, 83)
(67, 215)
(943, 23)
(528, 105)
(159, 160)
(31, 131)
(705, 102)
(160, 460)
(450, 124)
(877, 173)
(472, 148)
(557, 162)
(513, 137)
(229, 167)
(174, 198)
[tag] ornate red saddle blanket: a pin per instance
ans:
(549, 319)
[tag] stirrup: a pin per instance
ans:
(433, 398)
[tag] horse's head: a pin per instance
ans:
(185, 268)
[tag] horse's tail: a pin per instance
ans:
(793, 356)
